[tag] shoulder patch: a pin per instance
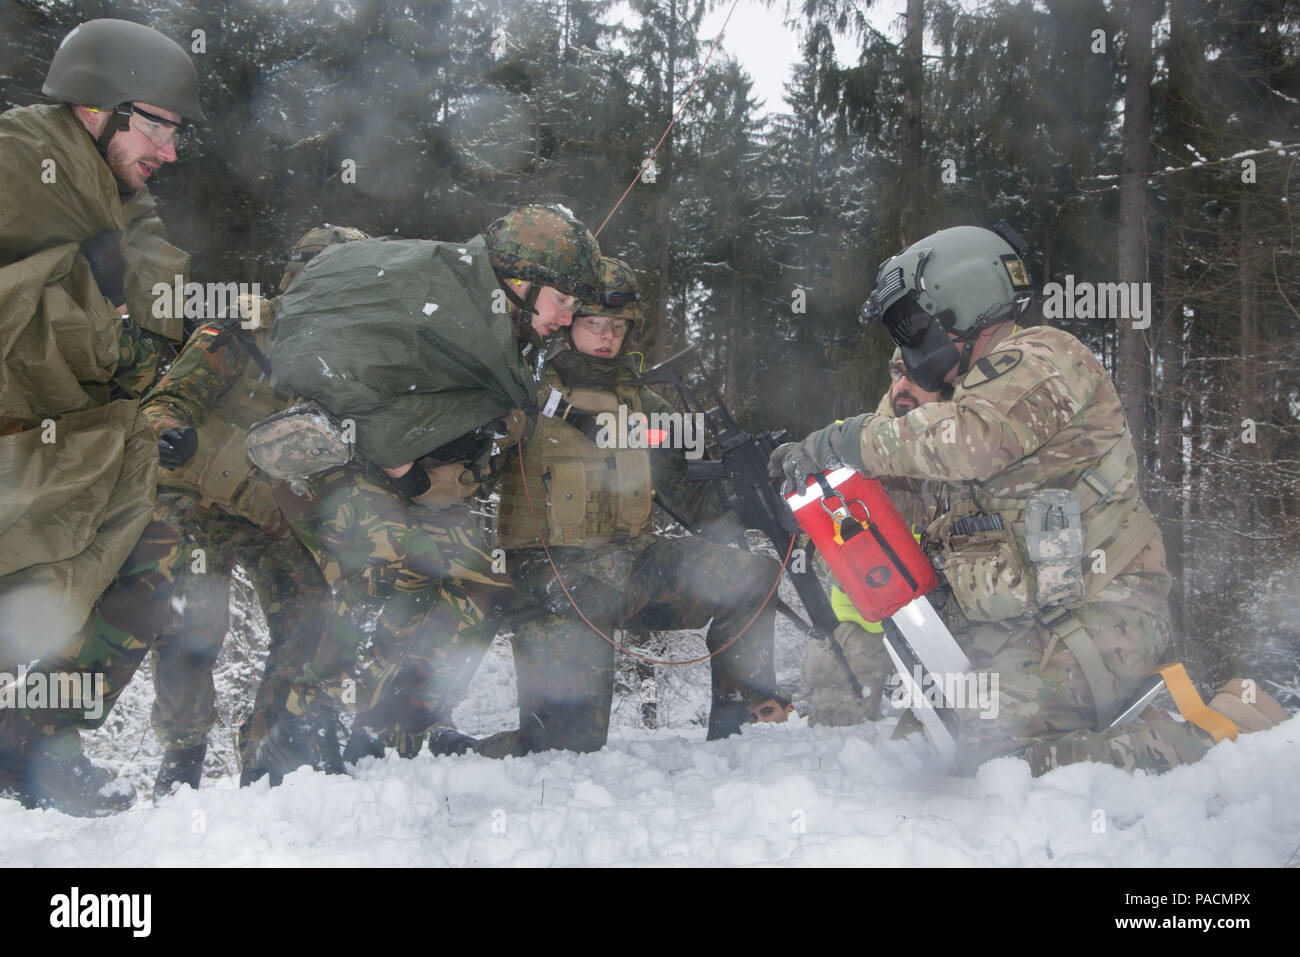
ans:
(987, 368)
(1016, 271)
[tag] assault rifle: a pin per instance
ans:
(743, 486)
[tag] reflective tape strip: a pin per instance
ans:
(1190, 705)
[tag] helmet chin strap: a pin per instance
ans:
(967, 348)
(527, 306)
(117, 123)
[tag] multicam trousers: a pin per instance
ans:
(292, 595)
(566, 671)
(1044, 707)
(414, 592)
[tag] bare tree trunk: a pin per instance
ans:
(668, 341)
(1172, 395)
(1170, 399)
(1132, 359)
(913, 83)
(1249, 346)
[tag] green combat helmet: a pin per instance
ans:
(546, 246)
(106, 63)
(960, 281)
(311, 243)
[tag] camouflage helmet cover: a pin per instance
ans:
(104, 63)
(548, 246)
(311, 243)
(619, 296)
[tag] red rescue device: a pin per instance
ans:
(866, 542)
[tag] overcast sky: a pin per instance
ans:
(766, 48)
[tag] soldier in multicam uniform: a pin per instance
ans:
(589, 497)
(404, 342)
(833, 701)
(202, 409)
(81, 246)
(1070, 612)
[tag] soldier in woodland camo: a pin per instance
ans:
(225, 508)
(416, 346)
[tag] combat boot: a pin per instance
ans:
(445, 741)
(364, 742)
(286, 747)
(292, 742)
(34, 774)
(74, 786)
(179, 766)
(1248, 706)
(726, 718)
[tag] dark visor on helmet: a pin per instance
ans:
(907, 323)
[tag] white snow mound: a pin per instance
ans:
(776, 794)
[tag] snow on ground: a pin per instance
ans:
(785, 794)
(777, 794)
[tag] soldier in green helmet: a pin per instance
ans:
(1054, 565)
(86, 572)
(588, 493)
(201, 409)
(410, 351)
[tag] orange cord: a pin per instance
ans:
(669, 127)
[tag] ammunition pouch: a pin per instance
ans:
(987, 571)
(1054, 542)
(581, 494)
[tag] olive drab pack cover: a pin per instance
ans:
(408, 340)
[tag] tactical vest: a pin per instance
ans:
(582, 495)
(982, 544)
(220, 471)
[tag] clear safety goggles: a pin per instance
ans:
(597, 325)
(158, 130)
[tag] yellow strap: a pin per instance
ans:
(1190, 705)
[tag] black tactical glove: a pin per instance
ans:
(177, 446)
(833, 447)
(104, 253)
(509, 429)
(795, 461)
